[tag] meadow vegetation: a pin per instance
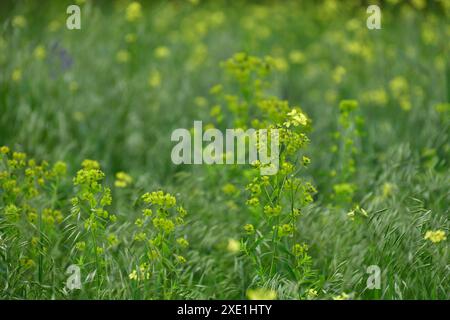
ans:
(86, 176)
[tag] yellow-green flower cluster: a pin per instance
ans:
(255, 188)
(12, 212)
(261, 294)
(26, 177)
(154, 79)
(183, 242)
(180, 259)
(159, 198)
(162, 52)
(269, 195)
(299, 249)
(311, 294)
(285, 230)
(18, 160)
(133, 11)
(89, 179)
(342, 296)
(4, 150)
(296, 118)
(233, 246)
(343, 192)
(164, 225)
(90, 164)
(122, 56)
(158, 227)
(401, 92)
(141, 273)
(27, 263)
(39, 52)
(272, 211)
(51, 217)
(122, 180)
(229, 189)
(357, 212)
(80, 246)
(113, 240)
(241, 66)
(29, 193)
(435, 236)
(249, 228)
(94, 194)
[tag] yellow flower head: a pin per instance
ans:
(272, 211)
(112, 240)
(342, 296)
(261, 294)
(162, 52)
(122, 180)
(4, 150)
(297, 57)
(249, 229)
(233, 246)
(141, 236)
(183, 242)
(160, 198)
(399, 86)
(154, 79)
(201, 102)
(351, 215)
(299, 249)
(90, 164)
(39, 52)
(419, 4)
(180, 259)
(388, 189)
(27, 263)
(435, 236)
(133, 275)
(81, 246)
(143, 273)
(296, 118)
(134, 11)
(311, 294)
(34, 241)
(123, 56)
(229, 188)
(147, 212)
(280, 64)
(120, 184)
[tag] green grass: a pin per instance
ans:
(79, 102)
